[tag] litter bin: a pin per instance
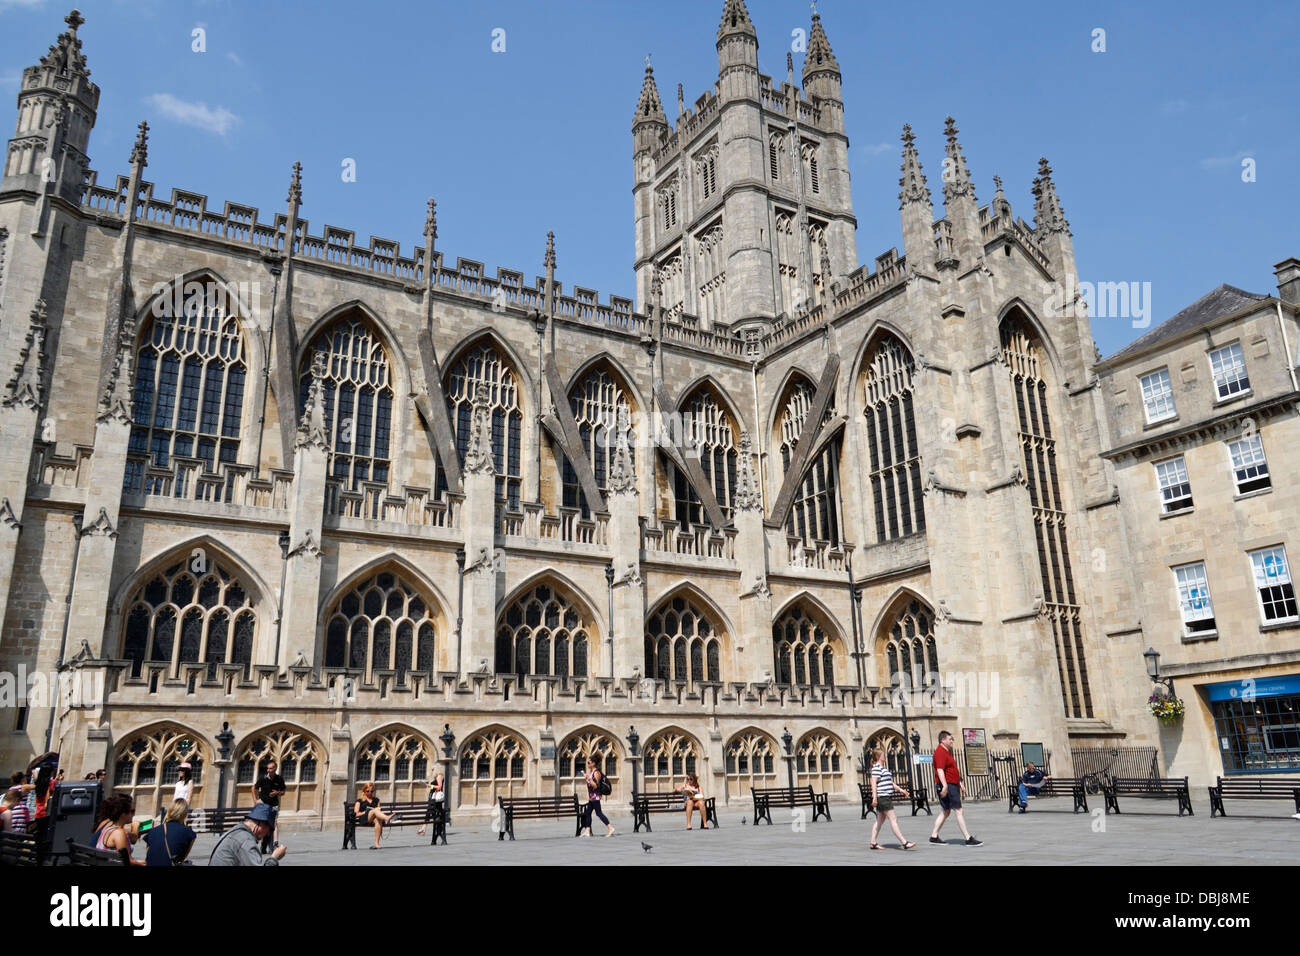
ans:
(76, 804)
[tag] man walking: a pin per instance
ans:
(268, 790)
(948, 779)
(239, 847)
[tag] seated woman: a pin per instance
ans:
(694, 800)
(170, 843)
(115, 830)
(437, 802)
(368, 811)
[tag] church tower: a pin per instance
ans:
(743, 209)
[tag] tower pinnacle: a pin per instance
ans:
(1049, 218)
(914, 188)
(956, 178)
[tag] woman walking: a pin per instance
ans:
(597, 786)
(882, 799)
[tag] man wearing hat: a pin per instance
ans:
(239, 847)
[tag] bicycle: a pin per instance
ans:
(1096, 781)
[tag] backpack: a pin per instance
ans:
(605, 788)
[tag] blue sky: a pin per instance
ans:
(1146, 139)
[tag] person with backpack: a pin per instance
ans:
(598, 786)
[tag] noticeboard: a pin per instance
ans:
(1032, 753)
(976, 750)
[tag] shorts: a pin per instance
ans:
(953, 800)
(884, 804)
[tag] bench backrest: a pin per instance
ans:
(535, 807)
(79, 855)
(18, 849)
(785, 793)
(1239, 785)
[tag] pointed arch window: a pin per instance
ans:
(383, 623)
(813, 177)
(595, 401)
(804, 653)
(574, 753)
(751, 760)
(710, 431)
(483, 363)
(668, 758)
(1025, 361)
(299, 759)
(815, 514)
(911, 656)
(819, 762)
(188, 395)
(398, 762)
(492, 765)
(147, 766)
(543, 632)
(681, 644)
(358, 402)
(193, 611)
(895, 457)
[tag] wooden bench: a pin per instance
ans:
(203, 820)
(18, 849)
(1154, 788)
(408, 813)
(1253, 788)
(79, 855)
(919, 799)
(538, 808)
(1052, 787)
(768, 797)
(645, 804)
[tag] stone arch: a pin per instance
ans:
(146, 760)
(397, 758)
(511, 354)
(1017, 306)
(816, 509)
(419, 603)
(878, 328)
(751, 758)
(896, 751)
(618, 370)
(683, 660)
(668, 754)
(548, 620)
(904, 642)
(708, 381)
(370, 315)
(228, 622)
(577, 745)
(889, 608)
(822, 761)
(806, 606)
(163, 290)
(302, 759)
(494, 761)
(793, 374)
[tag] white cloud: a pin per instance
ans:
(1222, 162)
(24, 4)
(220, 120)
(233, 57)
(878, 149)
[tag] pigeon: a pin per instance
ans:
(646, 846)
(743, 820)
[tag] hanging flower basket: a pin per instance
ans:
(1167, 708)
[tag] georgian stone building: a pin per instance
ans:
(269, 491)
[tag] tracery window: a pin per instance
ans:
(668, 758)
(358, 402)
(595, 401)
(147, 767)
(910, 651)
(298, 759)
(399, 764)
(711, 270)
(708, 429)
(794, 298)
(803, 652)
(188, 396)
(814, 516)
(895, 456)
(672, 286)
(813, 178)
(484, 364)
(187, 613)
(1023, 355)
(751, 761)
(492, 764)
(573, 762)
(383, 623)
(680, 644)
(819, 762)
(543, 632)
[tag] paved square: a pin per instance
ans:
(1151, 835)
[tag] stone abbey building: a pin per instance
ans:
(271, 491)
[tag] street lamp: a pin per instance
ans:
(1153, 670)
(788, 741)
(448, 742)
(224, 740)
(633, 741)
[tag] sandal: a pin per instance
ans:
(874, 846)
(908, 845)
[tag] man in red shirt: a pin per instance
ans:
(948, 780)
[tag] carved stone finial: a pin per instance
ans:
(479, 459)
(622, 476)
(748, 497)
(311, 427)
(295, 186)
(1049, 218)
(74, 20)
(431, 221)
(26, 388)
(140, 151)
(307, 546)
(102, 525)
(914, 188)
(549, 261)
(956, 178)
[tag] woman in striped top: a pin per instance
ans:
(882, 799)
